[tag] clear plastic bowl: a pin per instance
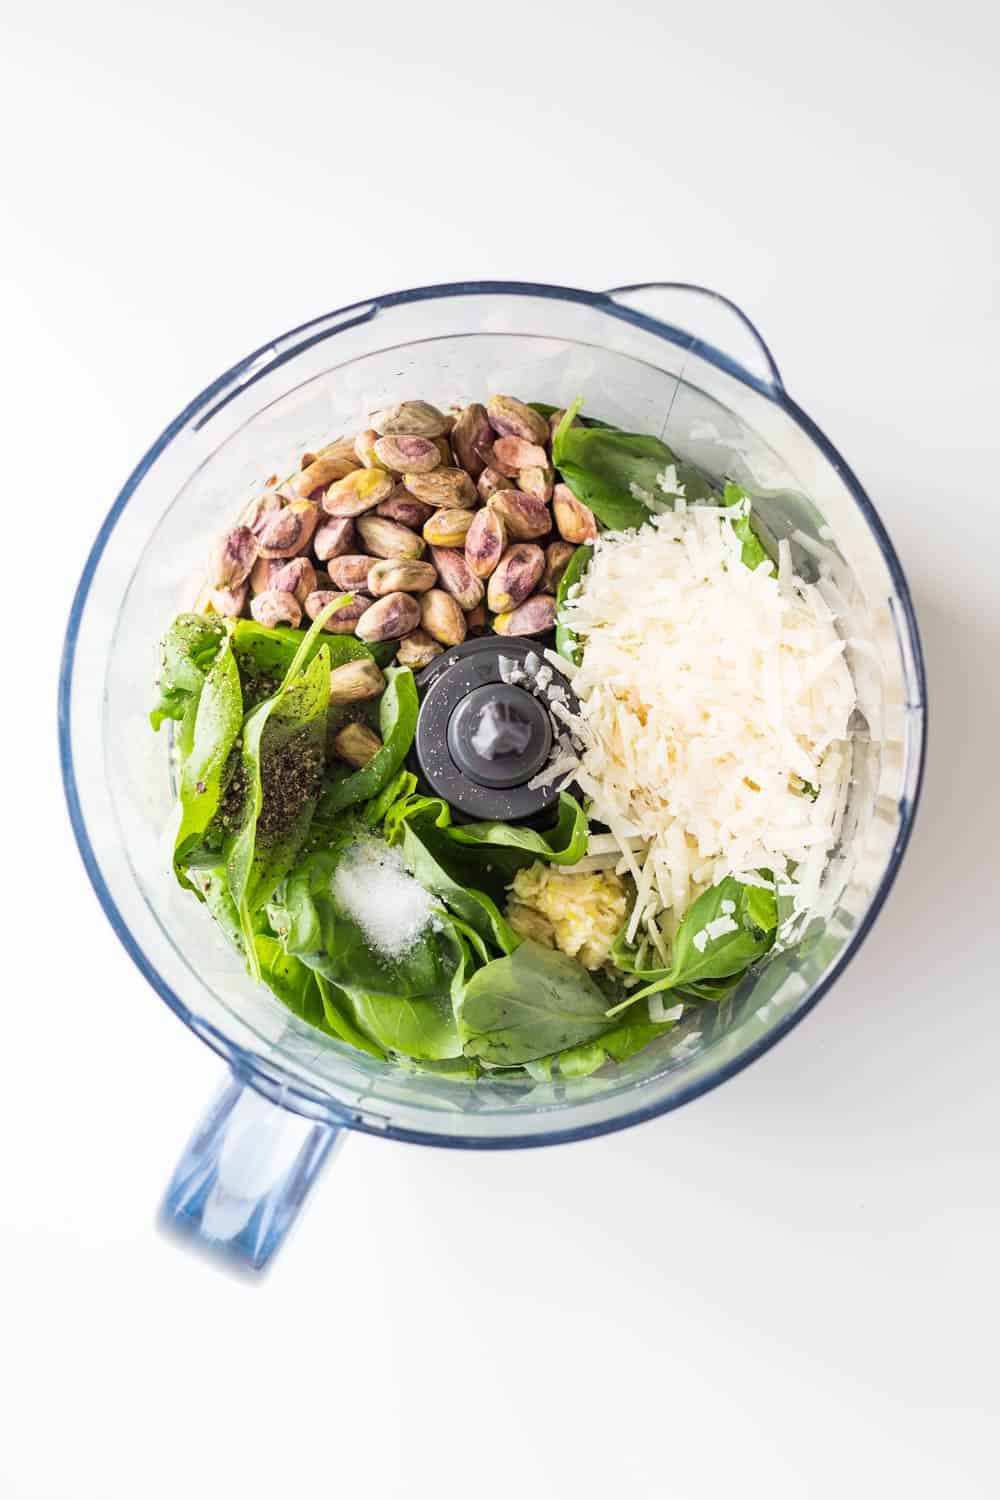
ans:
(677, 361)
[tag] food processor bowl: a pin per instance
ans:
(677, 361)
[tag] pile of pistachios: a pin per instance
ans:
(439, 526)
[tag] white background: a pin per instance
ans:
(787, 1289)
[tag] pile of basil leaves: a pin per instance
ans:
(265, 814)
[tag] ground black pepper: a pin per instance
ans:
(289, 778)
(234, 794)
(256, 687)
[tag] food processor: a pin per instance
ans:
(680, 362)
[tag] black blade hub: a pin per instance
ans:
(485, 727)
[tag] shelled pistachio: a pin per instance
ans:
(575, 521)
(296, 576)
(356, 681)
(442, 618)
(394, 574)
(410, 418)
(516, 577)
(350, 572)
(407, 455)
(357, 744)
(276, 607)
(448, 528)
(491, 480)
(456, 577)
(442, 487)
(389, 618)
(557, 556)
(402, 507)
(388, 538)
(535, 616)
(485, 541)
(343, 621)
(417, 650)
(358, 492)
(471, 439)
(232, 558)
(334, 538)
(512, 418)
(290, 530)
(524, 517)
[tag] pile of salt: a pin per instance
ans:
(392, 909)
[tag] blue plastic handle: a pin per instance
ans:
(244, 1175)
(713, 321)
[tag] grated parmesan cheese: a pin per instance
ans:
(705, 689)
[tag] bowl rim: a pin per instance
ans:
(271, 1082)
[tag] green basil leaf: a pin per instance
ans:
(711, 973)
(475, 949)
(311, 997)
(264, 655)
(714, 990)
(514, 847)
(316, 929)
(618, 473)
(402, 786)
(291, 981)
(381, 1004)
(431, 859)
(281, 766)
(184, 733)
(470, 866)
(420, 1028)
(187, 650)
(617, 509)
(727, 956)
(452, 1069)
(383, 652)
(218, 717)
(338, 1014)
(270, 653)
(625, 956)
(761, 907)
(572, 1062)
(753, 553)
(414, 808)
(488, 855)
(213, 888)
(545, 410)
(631, 1035)
(529, 1004)
(566, 641)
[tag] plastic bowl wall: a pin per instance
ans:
(639, 365)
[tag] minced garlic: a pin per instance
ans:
(580, 913)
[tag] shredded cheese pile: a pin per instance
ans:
(709, 695)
